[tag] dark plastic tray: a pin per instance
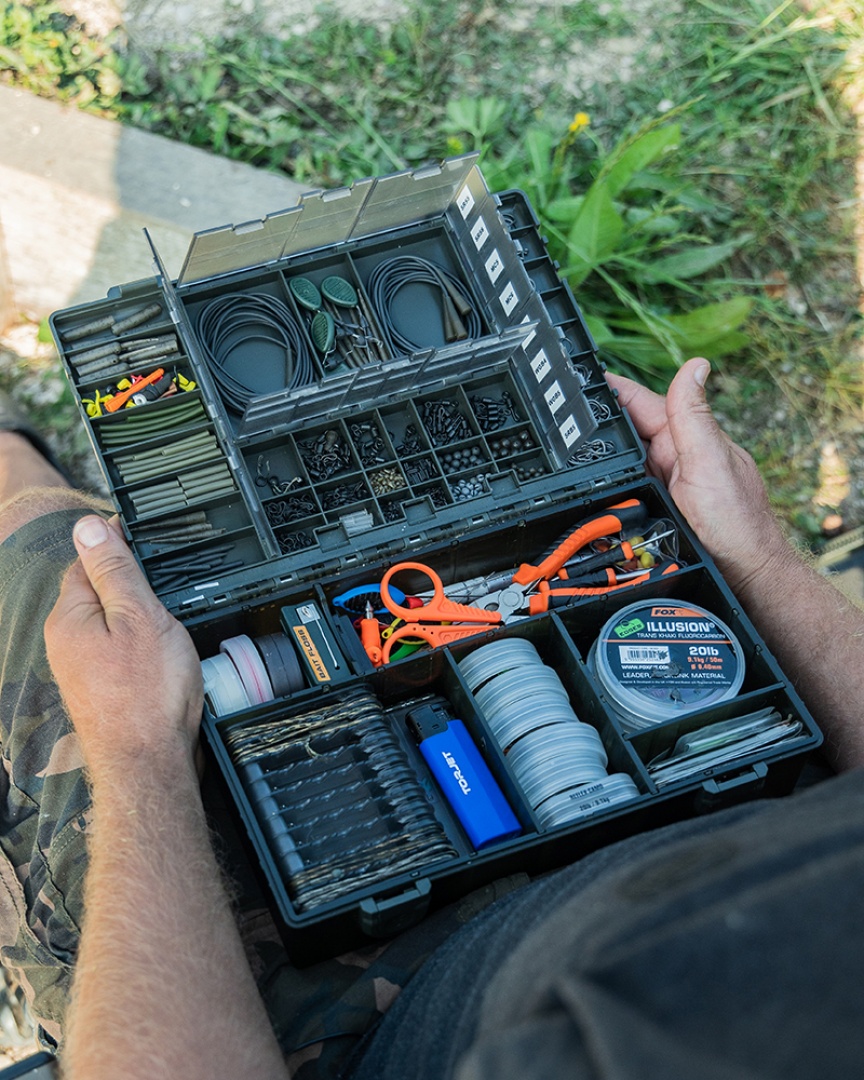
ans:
(472, 456)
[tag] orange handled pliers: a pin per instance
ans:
(515, 597)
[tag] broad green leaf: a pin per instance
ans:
(596, 230)
(642, 352)
(490, 110)
(685, 193)
(564, 209)
(690, 263)
(649, 221)
(710, 322)
(639, 154)
(462, 113)
(539, 144)
(724, 345)
(699, 328)
(706, 340)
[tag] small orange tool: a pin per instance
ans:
(120, 399)
(370, 635)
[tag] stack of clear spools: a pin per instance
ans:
(558, 761)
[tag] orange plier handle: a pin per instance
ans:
(547, 598)
(615, 519)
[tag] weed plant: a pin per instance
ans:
(695, 180)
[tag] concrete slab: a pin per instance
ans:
(76, 192)
(6, 305)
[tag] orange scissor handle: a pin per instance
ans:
(613, 520)
(438, 609)
(434, 635)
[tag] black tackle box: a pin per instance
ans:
(395, 373)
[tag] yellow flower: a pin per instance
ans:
(580, 120)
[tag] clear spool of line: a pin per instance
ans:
(659, 659)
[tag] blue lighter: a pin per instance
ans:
(463, 776)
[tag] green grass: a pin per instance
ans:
(766, 153)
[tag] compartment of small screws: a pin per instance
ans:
(387, 480)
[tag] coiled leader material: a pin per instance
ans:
(460, 318)
(231, 322)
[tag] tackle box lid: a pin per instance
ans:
(323, 218)
(535, 343)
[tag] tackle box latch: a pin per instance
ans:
(383, 918)
(743, 785)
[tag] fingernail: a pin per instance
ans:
(700, 372)
(90, 531)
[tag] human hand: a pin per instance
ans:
(714, 482)
(127, 670)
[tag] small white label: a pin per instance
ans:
(527, 342)
(479, 234)
(494, 266)
(569, 431)
(308, 613)
(540, 366)
(465, 202)
(644, 654)
(509, 298)
(554, 397)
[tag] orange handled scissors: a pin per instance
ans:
(436, 611)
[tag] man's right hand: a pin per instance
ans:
(714, 482)
(127, 670)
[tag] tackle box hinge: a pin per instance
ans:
(204, 603)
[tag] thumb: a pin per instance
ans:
(692, 426)
(110, 566)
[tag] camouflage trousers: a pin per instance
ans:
(319, 1013)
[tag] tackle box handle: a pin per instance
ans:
(383, 918)
(713, 790)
